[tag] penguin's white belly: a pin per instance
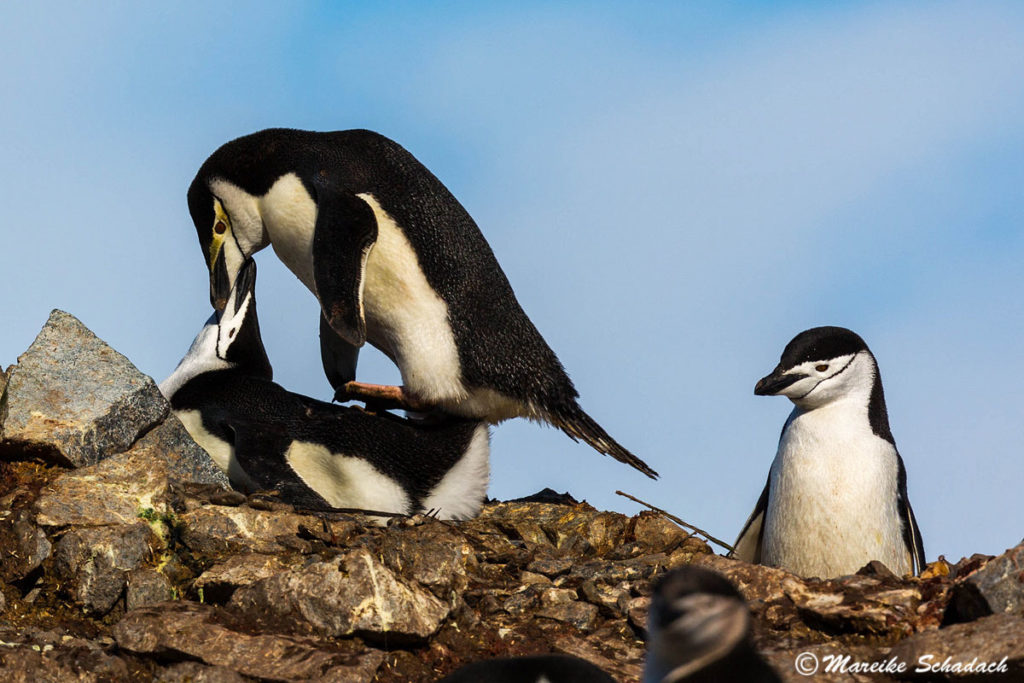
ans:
(408, 320)
(405, 317)
(832, 506)
(346, 481)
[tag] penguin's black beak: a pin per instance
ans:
(245, 282)
(776, 382)
(220, 283)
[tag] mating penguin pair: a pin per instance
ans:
(316, 455)
(698, 632)
(393, 259)
(836, 496)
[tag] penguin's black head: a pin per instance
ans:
(223, 200)
(696, 618)
(224, 248)
(819, 365)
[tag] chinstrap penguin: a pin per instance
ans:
(393, 259)
(698, 631)
(316, 455)
(836, 495)
(530, 669)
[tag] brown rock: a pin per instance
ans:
(49, 664)
(116, 491)
(204, 633)
(656, 534)
(433, 554)
(995, 588)
(147, 587)
(580, 615)
(352, 594)
(194, 672)
(24, 545)
(219, 529)
(995, 641)
(220, 581)
(94, 562)
(550, 564)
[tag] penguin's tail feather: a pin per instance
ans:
(581, 427)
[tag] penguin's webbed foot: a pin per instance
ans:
(380, 396)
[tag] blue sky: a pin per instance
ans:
(674, 193)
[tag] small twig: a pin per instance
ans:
(669, 515)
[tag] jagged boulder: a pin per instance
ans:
(74, 401)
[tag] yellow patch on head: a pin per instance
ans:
(221, 229)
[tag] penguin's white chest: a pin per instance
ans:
(833, 497)
(289, 216)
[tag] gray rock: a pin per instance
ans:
(4, 376)
(147, 586)
(352, 594)
(988, 640)
(997, 587)
(93, 563)
(73, 400)
(202, 632)
(186, 460)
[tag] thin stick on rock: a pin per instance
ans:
(669, 515)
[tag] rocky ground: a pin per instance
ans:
(124, 557)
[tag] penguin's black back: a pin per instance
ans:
(238, 407)
(498, 345)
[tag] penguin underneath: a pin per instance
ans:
(836, 496)
(698, 631)
(530, 669)
(393, 259)
(316, 455)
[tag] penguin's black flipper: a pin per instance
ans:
(253, 441)
(911, 533)
(345, 231)
(338, 356)
(578, 425)
(748, 544)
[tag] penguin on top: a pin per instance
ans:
(836, 496)
(316, 455)
(393, 259)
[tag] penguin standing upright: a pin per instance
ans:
(393, 259)
(698, 631)
(316, 455)
(836, 496)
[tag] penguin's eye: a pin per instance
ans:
(821, 368)
(220, 228)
